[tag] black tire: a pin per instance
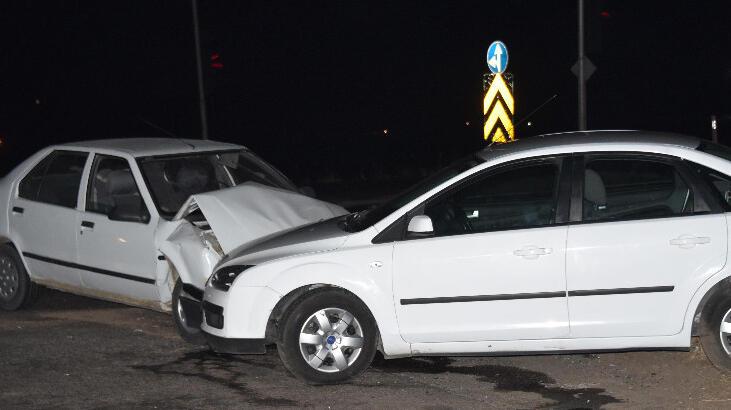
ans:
(187, 317)
(716, 310)
(23, 292)
(291, 325)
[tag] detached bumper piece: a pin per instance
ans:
(213, 314)
(236, 346)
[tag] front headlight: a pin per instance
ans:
(224, 277)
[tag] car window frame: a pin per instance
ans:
(397, 231)
(702, 201)
(44, 158)
(92, 167)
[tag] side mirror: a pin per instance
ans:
(420, 226)
(128, 214)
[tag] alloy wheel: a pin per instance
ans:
(8, 278)
(725, 332)
(331, 340)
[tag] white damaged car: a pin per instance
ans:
(573, 242)
(139, 221)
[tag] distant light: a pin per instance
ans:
(530, 124)
(38, 102)
(605, 14)
(385, 131)
(215, 63)
(714, 125)
(467, 123)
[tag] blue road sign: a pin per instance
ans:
(497, 57)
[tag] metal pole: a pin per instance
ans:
(582, 80)
(199, 64)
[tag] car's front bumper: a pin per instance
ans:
(242, 312)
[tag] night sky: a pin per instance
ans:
(312, 85)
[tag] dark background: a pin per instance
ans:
(311, 86)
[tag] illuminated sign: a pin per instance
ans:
(498, 107)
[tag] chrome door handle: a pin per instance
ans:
(687, 241)
(532, 252)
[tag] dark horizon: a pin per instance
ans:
(311, 89)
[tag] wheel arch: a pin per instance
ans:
(287, 301)
(720, 289)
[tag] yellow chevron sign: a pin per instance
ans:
(498, 108)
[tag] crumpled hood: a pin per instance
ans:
(317, 237)
(251, 211)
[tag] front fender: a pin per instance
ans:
(364, 271)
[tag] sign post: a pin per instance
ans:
(498, 105)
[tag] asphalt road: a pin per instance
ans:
(73, 352)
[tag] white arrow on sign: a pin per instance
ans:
(495, 60)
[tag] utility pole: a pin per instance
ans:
(199, 64)
(581, 74)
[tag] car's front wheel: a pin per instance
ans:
(187, 316)
(328, 336)
(16, 288)
(716, 333)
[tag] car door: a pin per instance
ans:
(44, 216)
(115, 234)
(647, 237)
(494, 268)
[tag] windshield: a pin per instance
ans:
(361, 220)
(172, 179)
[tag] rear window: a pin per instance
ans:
(56, 179)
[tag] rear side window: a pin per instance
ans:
(56, 179)
(630, 188)
(719, 183)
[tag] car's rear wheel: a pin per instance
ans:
(187, 316)
(716, 334)
(328, 336)
(16, 288)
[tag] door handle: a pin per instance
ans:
(87, 225)
(18, 210)
(532, 252)
(687, 241)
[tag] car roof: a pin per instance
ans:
(568, 139)
(145, 147)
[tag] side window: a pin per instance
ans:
(719, 183)
(113, 191)
(56, 179)
(631, 188)
(515, 198)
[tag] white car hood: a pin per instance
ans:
(250, 211)
(317, 237)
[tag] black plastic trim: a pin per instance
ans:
(538, 295)
(87, 224)
(236, 346)
(483, 298)
(89, 268)
(18, 210)
(621, 291)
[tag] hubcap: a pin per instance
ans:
(8, 278)
(331, 340)
(725, 332)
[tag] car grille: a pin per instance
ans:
(213, 314)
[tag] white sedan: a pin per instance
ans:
(590, 241)
(139, 221)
